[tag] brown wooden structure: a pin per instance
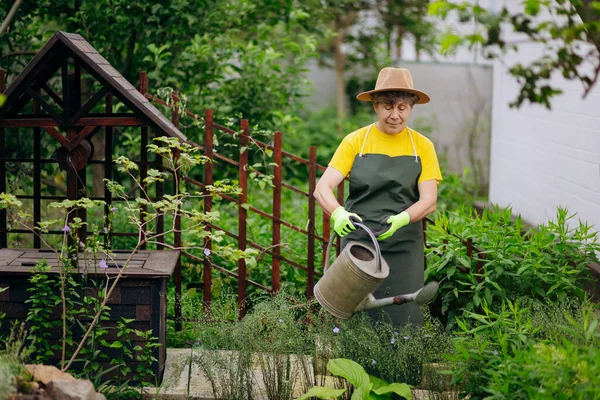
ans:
(140, 297)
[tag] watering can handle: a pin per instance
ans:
(359, 224)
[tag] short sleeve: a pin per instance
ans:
(431, 165)
(343, 158)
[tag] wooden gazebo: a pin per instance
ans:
(47, 99)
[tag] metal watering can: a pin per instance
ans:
(347, 286)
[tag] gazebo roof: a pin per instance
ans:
(53, 56)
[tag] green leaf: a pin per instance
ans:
(322, 393)
(532, 7)
(377, 382)
(362, 392)
(401, 389)
(349, 370)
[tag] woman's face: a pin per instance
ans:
(392, 118)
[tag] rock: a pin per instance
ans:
(100, 396)
(46, 373)
(71, 389)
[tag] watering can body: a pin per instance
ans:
(350, 280)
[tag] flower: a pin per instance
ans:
(393, 341)
(114, 209)
(373, 362)
(405, 338)
(105, 230)
(207, 252)
(336, 330)
(396, 333)
(66, 229)
(81, 244)
(281, 320)
(103, 264)
(495, 352)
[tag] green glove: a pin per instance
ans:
(341, 221)
(397, 221)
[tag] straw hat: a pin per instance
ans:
(394, 79)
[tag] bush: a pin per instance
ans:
(547, 262)
(511, 355)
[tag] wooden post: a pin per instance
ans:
(312, 178)
(470, 248)
(177, 234)
(276, 262)
(75, 83)
(208, 180)
(37, 177)
(242, 216)
(108, 152)
(326, 236)
(3, 222)
(340, 199)
(143, 162)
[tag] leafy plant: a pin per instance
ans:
(509, 261)
(365, 386)
(506, 354)
(561, 29)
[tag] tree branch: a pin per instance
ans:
(10, 16)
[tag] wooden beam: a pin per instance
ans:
(82, 134)
(58, 136)
(66, 90)
(89, 104)
(84, 121)
(47, 107)
(52, 94)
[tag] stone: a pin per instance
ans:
(100, 396)
(71, 389)
(46, 373)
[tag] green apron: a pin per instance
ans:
(381, 186)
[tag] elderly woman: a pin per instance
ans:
(394, 173)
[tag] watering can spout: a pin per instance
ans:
(420, 297)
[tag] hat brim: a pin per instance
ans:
(423, 98)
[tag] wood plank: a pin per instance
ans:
(84, 121)
(8, 255)
(58, 136)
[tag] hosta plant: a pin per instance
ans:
(366, 387)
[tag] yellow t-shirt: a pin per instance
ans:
(391, 145)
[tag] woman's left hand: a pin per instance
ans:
(398, 221)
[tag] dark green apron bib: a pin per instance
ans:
(381, 186)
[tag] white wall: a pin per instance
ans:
(543, 159)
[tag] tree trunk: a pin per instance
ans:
(339, 75)
(399, 43)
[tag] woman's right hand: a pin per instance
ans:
(341, 221)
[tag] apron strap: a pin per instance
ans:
(362, 149)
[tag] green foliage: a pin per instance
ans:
(365, 386)
(546, 262)
(14, 353)
(562, 28)
(42, 299)
(228, 56)
(498, 354)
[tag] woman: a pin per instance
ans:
(394, 173)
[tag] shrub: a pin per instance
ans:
(547, 262)
(511, 355)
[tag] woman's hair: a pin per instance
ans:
(394, 97)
